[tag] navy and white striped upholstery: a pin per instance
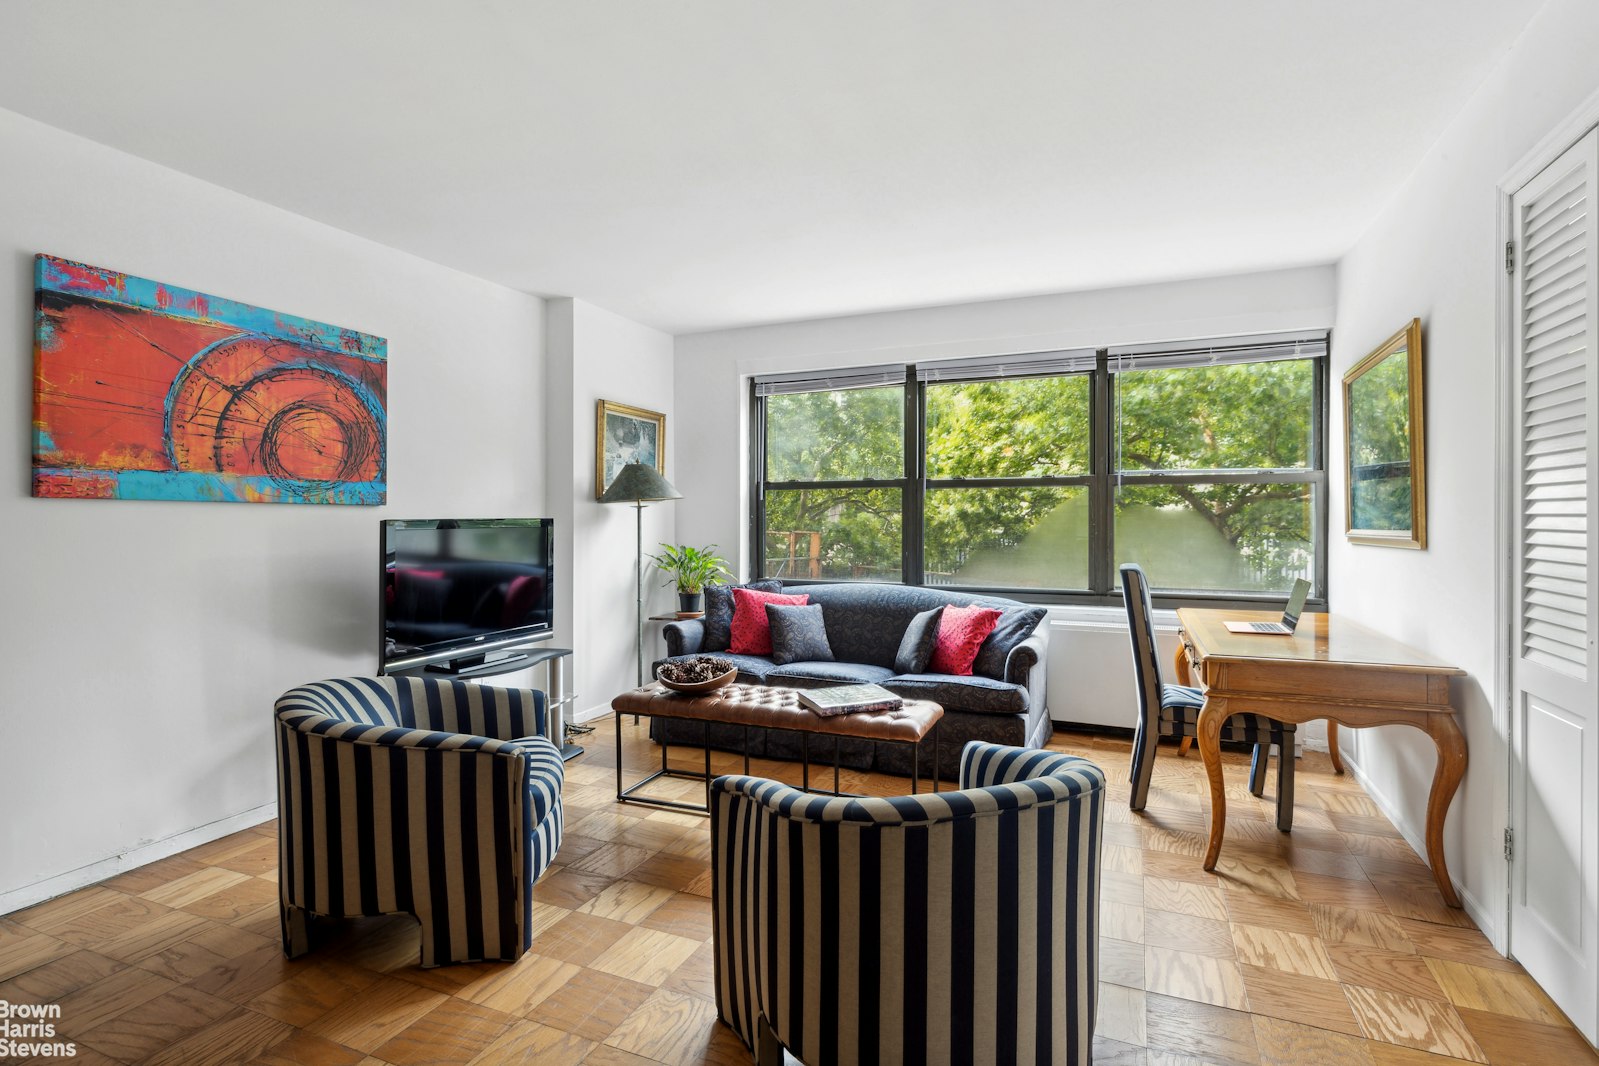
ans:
(439, 799)
(1173, 711)
(942, 928)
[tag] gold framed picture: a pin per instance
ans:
(623, 435)
(1385, 441)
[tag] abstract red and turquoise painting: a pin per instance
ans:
(145, 391)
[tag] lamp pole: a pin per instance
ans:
(638, 484)
(638, 595)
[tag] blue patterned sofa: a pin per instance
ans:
(1001, 703)
(399, 795)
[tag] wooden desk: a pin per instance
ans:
(1330, 668)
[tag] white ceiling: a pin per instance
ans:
(709, 163)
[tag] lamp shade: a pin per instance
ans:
(638, 482)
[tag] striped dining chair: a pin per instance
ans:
(438, 799)
(941, 928)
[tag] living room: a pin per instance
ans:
(223, 152)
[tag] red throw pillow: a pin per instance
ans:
(961, 632)
(752, 633)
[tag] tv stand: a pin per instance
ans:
(481, 666)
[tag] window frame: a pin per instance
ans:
(1102, 480)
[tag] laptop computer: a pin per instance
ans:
(1285, 628)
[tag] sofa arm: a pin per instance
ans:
(1028, 665)
(1026, 655)
(684, 637)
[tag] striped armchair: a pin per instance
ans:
(941, 928)
(438, 799)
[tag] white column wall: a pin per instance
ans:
(596, 355)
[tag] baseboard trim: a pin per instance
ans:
(16, 899)
(1417, 840)
(586, 716)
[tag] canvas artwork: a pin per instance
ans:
(151, 392)
(626, 435)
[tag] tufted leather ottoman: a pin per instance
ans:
(769, 707)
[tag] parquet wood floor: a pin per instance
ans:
(1327, 946)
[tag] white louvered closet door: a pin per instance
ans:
(1554, 817)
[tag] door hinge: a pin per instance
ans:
(1510, 843)
(1510, 257)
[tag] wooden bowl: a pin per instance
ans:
(696, 688)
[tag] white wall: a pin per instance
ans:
(596, 355)
(712, 400)
(1435, 254)
(146, 641)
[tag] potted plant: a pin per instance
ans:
(691, 569)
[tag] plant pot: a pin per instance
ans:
(689, 602)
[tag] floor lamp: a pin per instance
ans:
(638, 484)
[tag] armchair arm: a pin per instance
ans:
(464, 707)
(389, 736)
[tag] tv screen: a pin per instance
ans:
(456, 588)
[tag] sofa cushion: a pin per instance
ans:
(916, 646)
(980, 695)
(850, 673)
(719, 611)
(751, 634)
(798, 634)
(867, 619)
(1016, 624)
(961, 632)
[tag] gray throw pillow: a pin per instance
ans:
(799, 634)
(1016, 624)
(719, 611)
(916, 647)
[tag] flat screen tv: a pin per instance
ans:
(458, 589)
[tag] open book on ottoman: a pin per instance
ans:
(849, 699)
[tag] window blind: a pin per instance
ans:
(1024, 365)
(866, 377)
(1219, 351)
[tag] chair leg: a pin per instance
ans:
(1183, 745)
(1285, 784)
(1143, 767)
(768, 1051)
(296, 930)
(1257, 770)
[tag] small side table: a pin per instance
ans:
(557, 701)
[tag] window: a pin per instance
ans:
(1035, 475)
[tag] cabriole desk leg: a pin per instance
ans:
(1445, 733)
(1332, 747)
(1211, 718)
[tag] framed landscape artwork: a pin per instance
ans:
(146, 391)
(1385, 498)
(623, 435)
